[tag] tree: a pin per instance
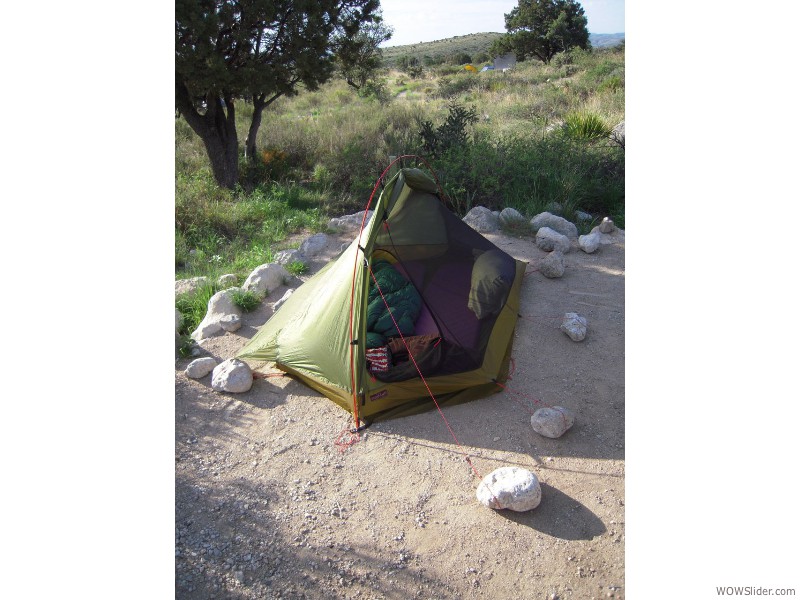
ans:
(360, 56)
(256, 50)
(542, 28)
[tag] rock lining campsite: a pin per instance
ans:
(271, 504)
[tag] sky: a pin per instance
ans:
(417, 21)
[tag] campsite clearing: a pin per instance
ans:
(268, 506)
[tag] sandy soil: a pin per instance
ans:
(268, 506)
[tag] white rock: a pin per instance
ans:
(582, 216)
(548, 239)
(615, 237)
(220, 305)
(559, 224)
(227, 280)
(189, 286)
(287, 257)
(552, 422)
(231, 323)
(574, 326)
(232, 376)
(514, 488)
(349, 222)
(511, 217)
(618, 133)
(283, 299)
(552, 265)
(265, 278)
(200, 367)
(606, 225)
(590, 242)
(314, 245)
(482, 220)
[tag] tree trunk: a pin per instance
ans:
(217, 130)
(250, 143)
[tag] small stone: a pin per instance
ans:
(606, 226)
(552, 265)
(552, 422)
(496, 439)
(574, 326)
(200, 367)
(511, 217)
(514, 488)
(231, 323)
(589, 243)
(548, 239)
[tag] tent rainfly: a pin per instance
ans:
(419, 306)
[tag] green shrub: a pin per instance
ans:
(245, 299)
(585, 126)
(297, 268)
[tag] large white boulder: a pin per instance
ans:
(266, 278)
(349, 222)
(513, 488)
(219, 306)
(556, 223)
(232, 376)
(552, 422)
(314, 245)
(549, 239)
(482, 220)
(287, 257)
(227, 280)
(189, 286)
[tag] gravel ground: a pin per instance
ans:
(268, 505)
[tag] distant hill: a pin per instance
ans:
(604, 40)
(472, 44)
(438, 50)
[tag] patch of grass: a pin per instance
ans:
(245, 299)
(297, 268)
(585, 126)
(193, 307)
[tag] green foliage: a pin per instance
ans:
(542, 28)
(451, 134)
(245, 299)
(193, 307)
(585, 126)
(260, 51)
(297, 268)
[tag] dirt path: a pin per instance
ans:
(268, 507)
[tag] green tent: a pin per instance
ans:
(418, 305)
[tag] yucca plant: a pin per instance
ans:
(585, 126)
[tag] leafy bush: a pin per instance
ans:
(449, 135)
